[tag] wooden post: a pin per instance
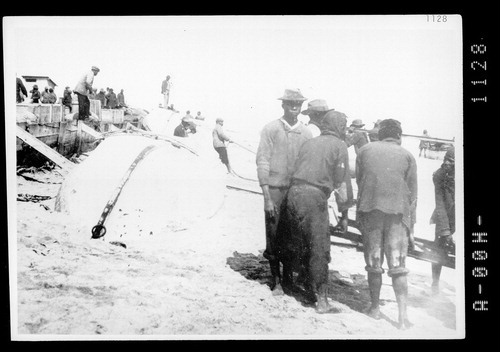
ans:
(79, 136)
(60, 138)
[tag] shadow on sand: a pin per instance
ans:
(352, 291)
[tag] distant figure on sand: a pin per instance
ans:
(166, 85)
(322, 166)
(444, 213)
(185, 127)
(35, 95)
(21, 91)
(424, 144)
(82, 90)
(219, 139)
(316, 110)
(198, 116)
(386, 175)
(279, 146)
(67, 99)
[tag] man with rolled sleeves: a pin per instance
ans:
(322, 167)
(279, 145)
(386, 175)
(82, 90)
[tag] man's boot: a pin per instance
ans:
(276, 278)
(400, 286)
(375, 284)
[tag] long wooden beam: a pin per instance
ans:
(43, 148)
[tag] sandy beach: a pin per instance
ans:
(206, 281)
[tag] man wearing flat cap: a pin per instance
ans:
(356, 137)
(279, 145)
(316, 110)
(82, 90)
(386, 174)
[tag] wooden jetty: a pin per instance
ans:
(50, 129)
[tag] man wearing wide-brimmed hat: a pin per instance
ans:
(386, 174)
(316, 110)
(82, 90)
(356, 137)
(280, 142)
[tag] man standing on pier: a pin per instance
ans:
(82, 90)
(279, 146)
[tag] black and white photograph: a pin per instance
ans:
(237, 177)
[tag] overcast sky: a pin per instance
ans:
(235, 67)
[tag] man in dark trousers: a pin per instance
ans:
(220, 138)
(279, 146)
(444, 213)
(322, 167)
(386, 175)
(82, 90)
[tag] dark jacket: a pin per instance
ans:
(20, 88)
(386, 175)
(180, 131)
(67, 99)
(323, 161)
(444, 190)
(35, 95)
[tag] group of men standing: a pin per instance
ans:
(298, 172)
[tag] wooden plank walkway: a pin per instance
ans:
(43, 148)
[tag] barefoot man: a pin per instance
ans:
(386, 175)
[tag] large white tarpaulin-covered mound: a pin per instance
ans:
(169, 190)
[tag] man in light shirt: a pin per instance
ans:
(82, 90)
(279, 146)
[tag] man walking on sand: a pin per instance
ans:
(386, 175)
(279, 145)
(82, 91)
(219, 138)
(166, 85)
(322, 166)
